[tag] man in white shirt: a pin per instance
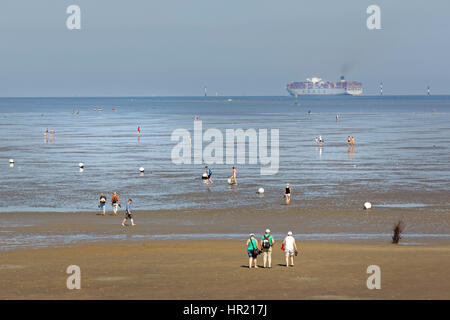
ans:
(290, 248)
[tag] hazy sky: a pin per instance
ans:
(235, 47)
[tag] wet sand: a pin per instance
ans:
(40, 229)
(217, 270)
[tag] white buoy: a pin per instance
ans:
(11, 160)
(81, 165)
(141, 169)
(261, 190)
(367, 205)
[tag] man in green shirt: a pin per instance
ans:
(267, 243)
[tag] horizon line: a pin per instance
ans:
(225, 96)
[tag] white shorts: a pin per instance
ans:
(288, 253)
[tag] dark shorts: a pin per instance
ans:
(128, 215)
(251, 254)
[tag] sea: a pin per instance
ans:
(400, 157)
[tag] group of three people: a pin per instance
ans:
(289, 247)
(233, 180)
(115, 203)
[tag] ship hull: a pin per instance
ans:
(323, 92)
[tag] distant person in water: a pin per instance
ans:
(115, 203)
(102, 203)
(139, 130)
(320, 141)
(128, 214)
(353, 141)
(208, 175)
(287, 194)
(290, 248)
(233, 178)
(252, 251)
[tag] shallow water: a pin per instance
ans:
(401, 155)
(42, 241)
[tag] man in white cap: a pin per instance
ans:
(290, 248)
(266, 245)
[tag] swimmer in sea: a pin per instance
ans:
(287, 194)
(233, 178)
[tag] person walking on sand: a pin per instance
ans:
(102, 203)
(233, 178)
(115, 203)
(290, 248)
(128, 213)
(287, 194)
(252, 250)
(267, 243)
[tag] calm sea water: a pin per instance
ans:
(401, 156)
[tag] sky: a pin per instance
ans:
(233, 47)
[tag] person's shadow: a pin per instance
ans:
(246, 266)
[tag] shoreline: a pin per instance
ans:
(218, 269)
(24, 230)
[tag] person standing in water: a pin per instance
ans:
(115, 203)
(208, 175)
(287, 194)
(139, 130)
(353, 141)
(128, 214)
(102, 203)
(349, 140)
(233, 178)
(252, 250)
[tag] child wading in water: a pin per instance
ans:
(128, 214)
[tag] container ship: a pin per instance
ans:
(317, 87)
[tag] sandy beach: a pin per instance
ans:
(212, 269)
